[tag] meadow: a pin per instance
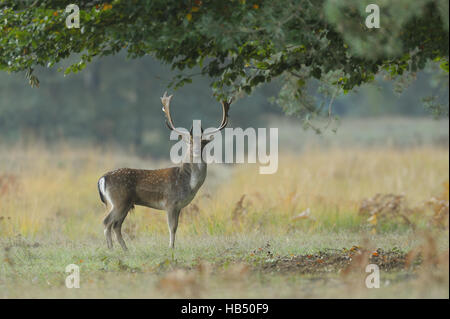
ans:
(307, 231)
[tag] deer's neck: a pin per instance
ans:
(195, 172)
(193, 169)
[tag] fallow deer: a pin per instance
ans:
(168, 189)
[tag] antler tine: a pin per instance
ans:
(225, 109)
(166, 109)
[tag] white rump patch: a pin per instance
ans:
(102, 187)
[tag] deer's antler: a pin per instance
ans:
(165, 100)
(225, 109)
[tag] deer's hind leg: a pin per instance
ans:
(108, 222)
(117, 226)
(114, 222)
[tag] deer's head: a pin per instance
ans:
(195, 134)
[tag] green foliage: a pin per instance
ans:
(239, 44)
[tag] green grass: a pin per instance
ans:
(204, 266)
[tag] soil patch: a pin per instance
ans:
(329, 261)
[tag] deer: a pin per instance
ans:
(169, 189)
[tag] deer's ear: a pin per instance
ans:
(207, 140)
(185, 138)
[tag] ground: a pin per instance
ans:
(244, 266)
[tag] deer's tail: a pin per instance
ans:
(101, 185)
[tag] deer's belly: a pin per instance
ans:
(178, 197)
(153, 204)
(150, 198)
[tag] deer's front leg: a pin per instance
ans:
(172, 221)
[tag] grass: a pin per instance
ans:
(50, 216)
(205, 266)
(56, 191)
